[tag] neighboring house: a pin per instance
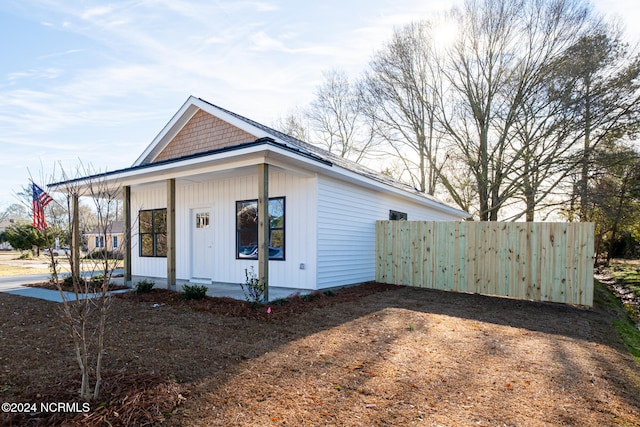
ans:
(205, 165)
(4, 224)
(110, 238)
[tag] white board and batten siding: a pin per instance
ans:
(150, 196)
(219, 196)
(347, 217)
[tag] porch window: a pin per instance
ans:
(153, 232)
(247, 229)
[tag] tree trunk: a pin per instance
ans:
(617, 217)
(583, 184)
(483, 179)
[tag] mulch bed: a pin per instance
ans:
(132, 399)
(69, 287)
(368, 355)
(274, 310)
(147, 398)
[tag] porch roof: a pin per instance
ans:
(114, 227)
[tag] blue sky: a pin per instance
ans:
(93, 81)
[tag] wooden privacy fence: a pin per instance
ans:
(536, 261)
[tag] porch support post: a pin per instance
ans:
(171, 233)
(75, 237)
(263, 227)
(126, 208)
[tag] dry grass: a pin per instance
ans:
(14, 270)
(12, 265)
(374, 355)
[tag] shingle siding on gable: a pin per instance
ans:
(202, 133)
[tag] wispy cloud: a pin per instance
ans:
(263, 42)
(46, 73)
(94, 12)
(60, 54)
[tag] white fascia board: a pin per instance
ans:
(156, 173)
(170, 130)
(195, 166)
(248, 156)
(364, 181)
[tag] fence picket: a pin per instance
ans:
(537, 261)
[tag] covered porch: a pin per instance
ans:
(252, 164)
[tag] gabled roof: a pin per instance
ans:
(155, 164)
(260, 131)
(115, 227)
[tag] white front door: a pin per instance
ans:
(201, 245)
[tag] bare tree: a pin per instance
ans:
(493, 71)
(293, 124)
(86, 310)
(543, 136)
(336, 118)
(400, 90)
(14, 211)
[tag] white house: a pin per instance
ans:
(191, 199)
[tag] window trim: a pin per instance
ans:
(283, 228)
(154, 234)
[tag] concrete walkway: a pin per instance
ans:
(14, 285)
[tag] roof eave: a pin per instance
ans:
(258, 151)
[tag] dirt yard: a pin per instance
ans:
(370, 356)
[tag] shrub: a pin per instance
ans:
(105, 254)
(194, 291)
(144, 286)
(253, 287)
(97, 279)
(310, 297)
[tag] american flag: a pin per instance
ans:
(40, 200)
